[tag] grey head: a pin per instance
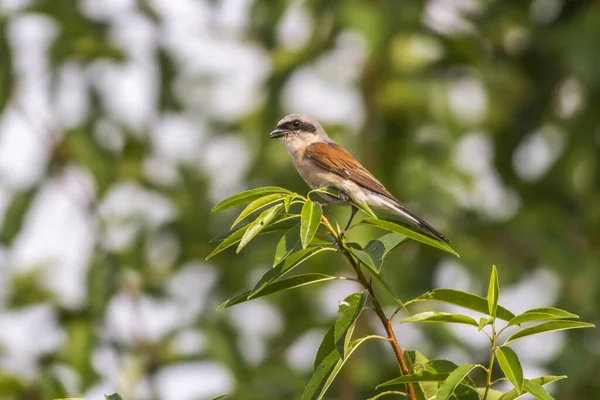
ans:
(299, 127)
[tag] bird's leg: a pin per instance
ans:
(354, 211)
(343, 199)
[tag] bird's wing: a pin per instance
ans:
(334, 158)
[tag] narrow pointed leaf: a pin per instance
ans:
(368, 262)
(287, 203)
(284, 222)
(543, 380)
(287, 244)
(309, 221)
(482, 323)
(537, 391)
(247, 197)
(279, 286)
(257, 205)
(378, 249)
(286, 266)
(550, 326)
(419, 376)
(541, 314)
(366, 209)
(327, 346)
(453, 380)
(394, 227)
(263, 220)
(219, 397)
(511, 366)
(466, 300)
(350, 309)
(327, 370)
(436, 316)
(114, 396)
(493, 291)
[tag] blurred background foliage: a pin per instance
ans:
(122, 122)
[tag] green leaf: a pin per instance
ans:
(327, 370)
(378, 249)
(364, 258)
(113, 396)
(287, 244)
(453, 380)
(543, 380)
(493, 292)
(419, 376)
(290, 263)
(550, 326)
(219, 397)
(466, 300)
(541, 314)
(247, 197)
(326, 347)
(258, 204)
(537, 391)
(436, 316)
(309, 221)
(15, 214)
(511, 366)
(366, 209)
(231, 238)
(263, 220)
(493, 394)
(287, 202)
(482, 323)
(349, 311)
(394, 227)
(279, 286)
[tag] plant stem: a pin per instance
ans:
(488, 383)
(387, 324)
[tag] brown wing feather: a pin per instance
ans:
(336, 159)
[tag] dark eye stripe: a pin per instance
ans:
(304, 126)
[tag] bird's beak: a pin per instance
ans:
(276, 133)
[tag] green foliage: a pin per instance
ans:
(441, 379)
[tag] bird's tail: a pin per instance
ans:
(398, 208)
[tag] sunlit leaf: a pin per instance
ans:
(231, 238)
(550, 326)
(247, 197)
(378, 249)
(419, 376)
(453, 380)
(466, 300)
(437, 316)
(493, 292)
(349, 310)
(394, 227)
(113, 396)
(543, 380)
(537, 391)
(327, 370)
(285, 267)
(511, 366)
(257, 205)
(541, 314)
(263, 220)
(279, 286)
(309, 222)
(327, 346)
(287, 244)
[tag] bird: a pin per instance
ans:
(323, 163)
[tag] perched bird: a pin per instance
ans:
(322, 163)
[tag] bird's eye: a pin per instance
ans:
(295, 123)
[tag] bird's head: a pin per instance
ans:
(299, 130)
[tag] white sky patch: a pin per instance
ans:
(301, 354)
(225, 159)
(58, 234)
(327, 88)
(127, 208)
(295, 28)
(233, 16)
(545, 11)
(538, 152)
(450, 17)
(451, 274)
(569, 99)
(467, 100)
(71, 99)
(106, 9)
(190, 381)
(487, 193)
(177, 138)
(11, 6)
(21, 341)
